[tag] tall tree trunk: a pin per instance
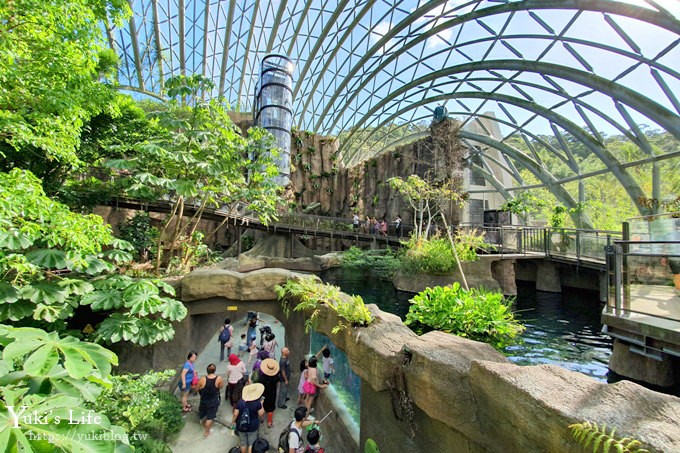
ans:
(455, 254)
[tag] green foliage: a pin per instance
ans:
(51, 53)
(371, 446)
(476, 314)
(138, 231)
(134, 403)
(428, 256)
(524, 205)
(53, 261)
(309, 293)
(54, 376)
(602, 440)
(381, 263)
(467, 242)
(201, 160)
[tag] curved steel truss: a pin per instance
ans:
(572, 68)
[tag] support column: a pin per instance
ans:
(548, 277)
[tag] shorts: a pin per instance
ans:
(309, 388)
(326, 375)
(247, 439)
(207, 412)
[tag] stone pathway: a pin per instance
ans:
(222, 438)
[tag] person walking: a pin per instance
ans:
(355, 222)
(284, 378)
(295, 441)
(225, 338)
(397, 226)
(187, 379)
(209, 388)
(236, 370)
(269, 377)
(247, 416)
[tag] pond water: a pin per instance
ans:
(561, 329)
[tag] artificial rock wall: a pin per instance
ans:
(440, 392)
(320, 178)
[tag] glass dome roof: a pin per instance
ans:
(578, 68)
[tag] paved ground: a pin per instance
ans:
(222, 438)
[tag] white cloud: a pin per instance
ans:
(378, 32)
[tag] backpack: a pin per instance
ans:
(283, 438)
(309, 449)
(243, 422)
(225, 335)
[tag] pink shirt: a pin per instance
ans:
(235, 372)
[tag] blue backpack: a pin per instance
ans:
(225, 335)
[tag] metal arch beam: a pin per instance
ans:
(629, 184)
(605, 6)
(142, 91)
(511, 125)
(276, 25)
(225, 47)
(319, 42)
(159, 48)
(256, 8)
(135, 50)
(633, 56)
(206, 24)
(392, 32)
(510, 170)
(182, 38)
(296, 32)
(491, 179)
(329, 58)
(544, 176)
(656, 112)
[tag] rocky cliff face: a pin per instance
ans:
(321, 185)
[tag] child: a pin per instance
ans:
(242, 346)
(303, 378)
(327, 364)
(313, 438)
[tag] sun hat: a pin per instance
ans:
(269, 367)
(251, 392)
(233, 359)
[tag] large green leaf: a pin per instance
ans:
(149, 332)
(41, 360)
(48, 258)
(173, 310)
(166, 287)
(118, 327)
(16, 311)
(76, 286)
(147, 306)
(15, 240)
(52, 313)
(185, 187)
(103, 300)
(118, 256)
(121, 244)
(140, 292)
(8, 293)
(44, 292)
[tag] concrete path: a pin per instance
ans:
(222, 438)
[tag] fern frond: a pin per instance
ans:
(603, 441)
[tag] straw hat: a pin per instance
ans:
(251, 392)
(269, 367)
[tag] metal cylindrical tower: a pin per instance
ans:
(274, 107)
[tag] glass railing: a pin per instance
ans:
(644, 279)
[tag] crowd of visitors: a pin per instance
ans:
(371, 225)
(255, 393)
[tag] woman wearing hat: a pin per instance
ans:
(250, 406)
(269, 377)
(236, 370)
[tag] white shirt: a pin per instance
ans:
(294, 440)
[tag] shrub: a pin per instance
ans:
(133, 403)
(382, 263)
(428, 256)
(476, 314)
(468, 242)
(312, 293)
(138, 231)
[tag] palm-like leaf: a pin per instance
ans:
(15, 240)
(44, 292)
(118, 327)
(48, 258)
(108, 299)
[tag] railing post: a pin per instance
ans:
(546, 238)
(625, 249)
(618, 280)
(578, 246)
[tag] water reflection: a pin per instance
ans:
(561, 329)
